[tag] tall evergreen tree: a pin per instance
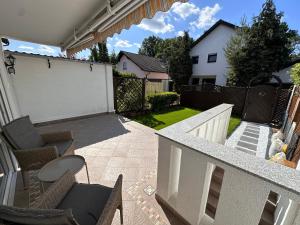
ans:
(180, 63)
(113, 58)
(149, 46)
(99, 53)
(268, 46)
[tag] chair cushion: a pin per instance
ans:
(62, 146)
(86, 201)
(25, 216)
(22, 134)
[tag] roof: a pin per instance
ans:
(7, 52)
(206, 33)
(293, 62)
(146, 63)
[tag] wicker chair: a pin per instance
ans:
(34, 150)
(69, 203)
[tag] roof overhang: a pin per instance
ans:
(73, 25)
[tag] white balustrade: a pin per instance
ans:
(188, 153)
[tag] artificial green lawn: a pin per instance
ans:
(159, 120)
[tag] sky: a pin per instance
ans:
(195, 16)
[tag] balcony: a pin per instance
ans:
(168, 176)
(192, 151)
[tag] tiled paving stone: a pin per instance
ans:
(249, 139)
(247, 145)
(246, 150)
(250, 134)
(252, 131)
(112, 145)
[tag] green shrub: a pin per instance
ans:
(162, 100)
(117, 73)
(295, 74)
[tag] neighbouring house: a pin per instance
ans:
(153, 69)
(208, 56)
(142, 66)
(285, 73)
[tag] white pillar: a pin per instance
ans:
(242, 199)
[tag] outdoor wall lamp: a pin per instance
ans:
(10, 64)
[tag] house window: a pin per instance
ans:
(124, 65)
(212, 58)
(195, 81)
(195, 59)
(208, 80)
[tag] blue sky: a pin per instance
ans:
(195, 16)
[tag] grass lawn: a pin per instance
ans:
(159, 120)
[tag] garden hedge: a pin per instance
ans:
(162, 100)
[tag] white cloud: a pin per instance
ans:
(44, 49)
(26, 47)
(137, 45)
(180, 33)
(158, 24)
(185, 10)
(123, 43)
(206, 17)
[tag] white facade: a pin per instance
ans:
(131, 67)
(66, 89)
(126, 65)
(215, 42)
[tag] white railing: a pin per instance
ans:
(188, 152)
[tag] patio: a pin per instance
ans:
(114, 145)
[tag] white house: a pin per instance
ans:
(209, 61)
(142, 66)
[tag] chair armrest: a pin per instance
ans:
(57, 136)
(36, 158)
(113, 203)
(56, 192)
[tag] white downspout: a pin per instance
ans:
(8, 90)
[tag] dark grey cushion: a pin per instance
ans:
(22, 134)
(22, 216)
(61, 146)
(86, 201)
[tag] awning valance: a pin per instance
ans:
(146, 10)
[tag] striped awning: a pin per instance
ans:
(146, 10)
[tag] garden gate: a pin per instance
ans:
(129, 94)
(260, 103)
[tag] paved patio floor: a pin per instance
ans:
(113, 145)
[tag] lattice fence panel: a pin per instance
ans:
(129, 94)
(282, 102)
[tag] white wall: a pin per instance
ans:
(131, 67)
(8, 102)
(67, 89)
(215, 42)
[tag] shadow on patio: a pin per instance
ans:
(113, 145)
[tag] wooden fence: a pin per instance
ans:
(245, 100)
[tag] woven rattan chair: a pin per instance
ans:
(34, 150)
(69, 203)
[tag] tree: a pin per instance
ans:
(113, 58)
(99, 53)
(180, 63)
(264, 48)
(295, 74)
(149, 46)
(235, 55)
